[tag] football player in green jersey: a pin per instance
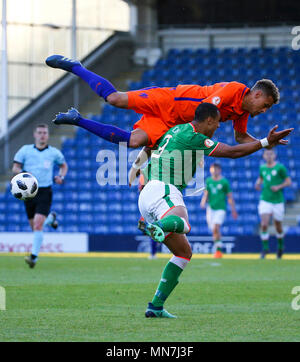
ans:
(216, 193)
(273, 178)
(170, 168)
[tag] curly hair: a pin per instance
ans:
(268, 88)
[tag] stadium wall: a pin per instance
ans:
(202, 244)
(225, 38)
(110, 59)
(83, 242)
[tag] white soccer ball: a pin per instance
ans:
(24, 186)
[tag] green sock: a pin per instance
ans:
(265, 244)
(218, 244)
(280, 243)
(172, 223)
(265, 240)
(168, 282)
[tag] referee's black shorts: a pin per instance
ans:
(40, 204)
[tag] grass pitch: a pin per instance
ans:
(104, 299)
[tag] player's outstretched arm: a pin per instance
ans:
(142, 157)
(231, 202)
(243, 137)
(258, 183)
(63, 169)
(226, 151)
(246, 138)
(17, 168)
(286, 183)
(204, 199)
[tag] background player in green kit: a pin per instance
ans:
(273, 178)
(216, 193)
(161, 203)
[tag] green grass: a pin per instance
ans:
(104, 299)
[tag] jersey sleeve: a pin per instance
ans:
(59, 158)
(201, 142)
(230, 94)
(227, 94)
(260, 172)
(206, 183)
(283, 172)
(20, 155)
(228, 188)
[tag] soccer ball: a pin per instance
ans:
(24, 186)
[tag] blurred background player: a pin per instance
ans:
(153, 244)
(273, 178)
(39, 159)
(215, 195)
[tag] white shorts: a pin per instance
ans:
(157, 198)
(276, 210)
(214, 217)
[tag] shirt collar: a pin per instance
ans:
(41, 149)
(238, 107)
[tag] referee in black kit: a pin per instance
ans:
(39, 159)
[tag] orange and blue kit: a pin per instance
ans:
(164, 108)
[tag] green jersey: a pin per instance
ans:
(179, 152)
(217, 193)
(272, 176)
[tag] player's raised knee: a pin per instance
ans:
(37, 225)
(118, 99)
(186, 226)
(138, 139)
(186, 252)
(134, 143)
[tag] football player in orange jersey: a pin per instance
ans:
(163, 108)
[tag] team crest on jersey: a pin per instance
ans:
(274, 172)
(216, 100)
(208, 143)
(219, 186)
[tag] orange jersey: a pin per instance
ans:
(227, 97)
(163, 108)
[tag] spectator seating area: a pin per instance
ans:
(85, 206)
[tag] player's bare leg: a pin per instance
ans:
(264, 235)
(118, 99)
(138, 138)
(217, 240)
(280, 238)
(178, 244)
